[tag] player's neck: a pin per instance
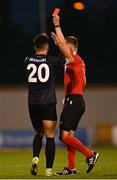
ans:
(39, 52)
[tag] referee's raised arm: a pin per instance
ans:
(60, 41)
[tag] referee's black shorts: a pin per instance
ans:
(73, 109)
(40, 112)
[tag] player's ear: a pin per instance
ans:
(72, 50)
(35, 48)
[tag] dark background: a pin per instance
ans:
(95, 27)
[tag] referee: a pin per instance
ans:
(74, 104)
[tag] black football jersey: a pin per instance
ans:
(40, 75)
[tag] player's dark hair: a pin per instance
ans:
(73, 40)
(40, 40)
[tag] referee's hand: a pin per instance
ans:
(56, 20)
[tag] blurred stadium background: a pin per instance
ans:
(94, 23)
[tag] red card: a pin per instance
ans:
(56, 11)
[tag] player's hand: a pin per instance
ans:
(56, 20)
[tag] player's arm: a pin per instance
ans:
(60, 40)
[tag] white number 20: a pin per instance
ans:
(35, 69)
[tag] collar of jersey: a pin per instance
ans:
(39, 55)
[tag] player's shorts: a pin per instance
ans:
(38, 113)
(73, 109)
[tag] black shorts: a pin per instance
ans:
(73, 109)
(41, 112)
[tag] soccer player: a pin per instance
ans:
(74, 104)
(42, 99)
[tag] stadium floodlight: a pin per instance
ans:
(79, 5)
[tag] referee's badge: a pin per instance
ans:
(70, 102)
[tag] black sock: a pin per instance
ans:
(37, 145)
(50, 152)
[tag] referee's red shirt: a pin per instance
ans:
(75, 76)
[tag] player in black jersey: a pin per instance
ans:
(42, 99)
